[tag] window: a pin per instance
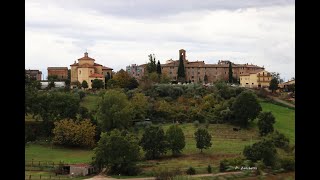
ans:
(91, 80)
(90, 71)
(225, 72)
(252, 83)
(198, 72)
(246, 83)
(192, 77)
(170, 72)
(62, 77)
(80, 72)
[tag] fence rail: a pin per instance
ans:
(36, 177)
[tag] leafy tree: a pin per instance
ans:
(67, 83)
(279, 140)
(291, 88)
(84, 113)
(114, 111)
(84, 84)
(151, 66)
(139, 103)
(245, 107)
(132, 84)
(97, 84)
(263, 150)
(265, 123)
(176, 139)
(52, 78)
(181, 70)
(153, 142)
(117, 151)
(71, 133)
(203, 139)
(107, 78)
(51, 84)
(230, 73)
(121, 79)
(273, 84)
(159, 68)
(205, 79)
(164, 78)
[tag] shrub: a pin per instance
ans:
(229, 164)
(175, 138)
(209, 169)
(196, 124)
(191, 171)
(263, 150)
(71, 133)
(265, 123)
(288, 163)
(279, 140)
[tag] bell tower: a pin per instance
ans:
(182, 53)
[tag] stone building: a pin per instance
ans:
(136, 71)
(255, 79)
(87, 70)
(60, 72)
(34, 74)
(196, 70)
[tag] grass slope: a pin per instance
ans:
(285, 119)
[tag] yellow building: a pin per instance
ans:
(87, 70)
(255, 79)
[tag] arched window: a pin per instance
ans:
(80, 72)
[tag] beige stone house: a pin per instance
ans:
(87, 70)
(255, 79)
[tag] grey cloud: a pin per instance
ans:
(157, 8)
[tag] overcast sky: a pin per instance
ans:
(118, 33)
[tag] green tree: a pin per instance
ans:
(132, 84)
(273, 84)
(230, 73)
(121, 79)
(139, 103)
(159, 68)
(52, 78)
(117, 151)
(114, 111)
(71, 133)
(203, 139)
(205, 79)
(265, 123)
(263, 150)
(153, 142)
(181, 70)
(151, 66)
(106, 78)
(84, 84)
(51, 84)
(245, 107)
(97, 84)
(279, 140)
(176, 139)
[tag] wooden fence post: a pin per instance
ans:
(40, 176)
(30, 177)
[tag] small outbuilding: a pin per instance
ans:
(81, 169)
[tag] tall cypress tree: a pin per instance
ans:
(230, 73)
(181, 70)
(159, 68)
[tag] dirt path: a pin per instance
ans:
(281, 101)
(100, 177)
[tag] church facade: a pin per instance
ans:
(87, 70)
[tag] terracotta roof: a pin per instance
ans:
(57, 68)
(104, 67)
(86, 58)
(96, 75)
(75, 64)
(96, 64)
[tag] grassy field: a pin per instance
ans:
(90, 101)
(56, 154)
(226, 143)
(285, 119)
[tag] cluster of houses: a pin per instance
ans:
(249, 75)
